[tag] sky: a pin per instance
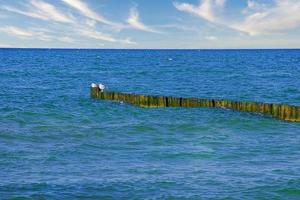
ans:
(179, 24)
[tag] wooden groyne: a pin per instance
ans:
(280, 111)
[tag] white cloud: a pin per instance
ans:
(90, 23)
(42, 10)
(97, 35)
(36, 33)
(26, 13)
(128, 41)
(207, 9)
(5, 46)
(104, 37)
(211, 38)
(45, 11)
(134, 22)
(258, 18)
(50, 12)
(66, 39)
(179, 27)
(220, 2)
(253, 4)
(42, 34)
(16, 31)
(85, 10)
(283, 16)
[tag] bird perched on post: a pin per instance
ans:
(93, 85)
(101, 87)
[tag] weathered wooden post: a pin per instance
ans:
(280, 111)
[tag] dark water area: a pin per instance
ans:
(58, 143)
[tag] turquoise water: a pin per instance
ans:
(58, 143)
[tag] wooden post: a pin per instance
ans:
(280, 111)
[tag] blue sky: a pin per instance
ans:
(150, 23)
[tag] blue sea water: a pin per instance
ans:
(58, 143)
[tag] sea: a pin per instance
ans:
(56, 142)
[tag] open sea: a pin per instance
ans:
(58, 143)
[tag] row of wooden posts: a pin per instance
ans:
(280, 111)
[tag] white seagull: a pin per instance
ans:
(101, 87)
(94, 85)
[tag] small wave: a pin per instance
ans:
(291, 191)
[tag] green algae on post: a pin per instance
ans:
(280, 111)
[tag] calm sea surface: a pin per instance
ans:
(58, 143)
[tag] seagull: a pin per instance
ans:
(101, 87)
(94, 85)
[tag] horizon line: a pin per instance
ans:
(67, 48)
